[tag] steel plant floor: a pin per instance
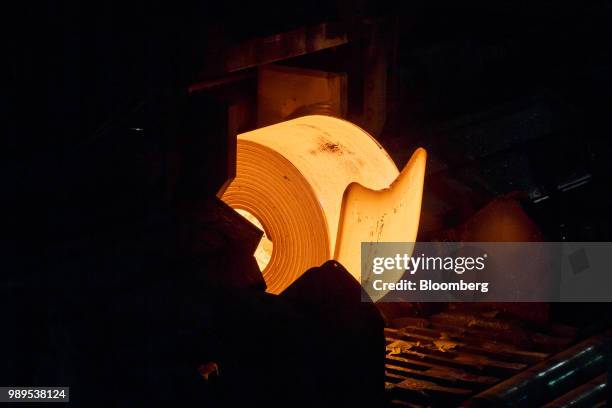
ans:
(445, 359)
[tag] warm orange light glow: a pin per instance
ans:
(264, 249)
(292, 177)
(388, 215)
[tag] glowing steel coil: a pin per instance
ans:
(293, 178)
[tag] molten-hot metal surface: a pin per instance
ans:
(292, 177)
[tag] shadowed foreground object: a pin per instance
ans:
(292, 177)
(351, 328)
(314, 345)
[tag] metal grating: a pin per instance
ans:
(449, 357)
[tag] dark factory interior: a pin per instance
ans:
(130, 279)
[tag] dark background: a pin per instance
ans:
(506, 96)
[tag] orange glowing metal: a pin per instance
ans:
(319, 186)
(388, 215)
